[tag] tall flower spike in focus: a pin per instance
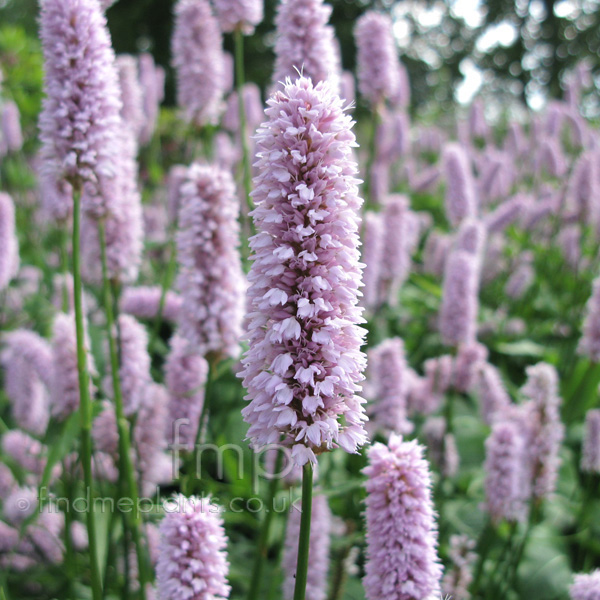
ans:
(211, 280)
(402, 561)
(378, 65)
(305, 43)
(239, 14)
(80, 119)
(192, 561)
(304, 364)
(318, 555)
(197, 47)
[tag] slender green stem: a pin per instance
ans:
(64, 253)
(484, 543)
(192, 463)
(166, 284)
(126, 471)
(85, 400)
(69, 555)
(263, 540)
(340, 574)
(304, 539)
(371, 157)
(239, 82)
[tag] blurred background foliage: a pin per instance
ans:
(506, 49)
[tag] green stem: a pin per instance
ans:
(126, 471)
(371, 157)
(85, 400)
(263, 541)
(69, 555)
(484, 544)
(64, 253)
(192, 463)
(239, 82)
(304, 539)
(516, 558)
(340, 574)
(166, 284)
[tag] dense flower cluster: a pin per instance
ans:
(239, 14)
(590, 455)
(387, 388)
(211, 281)
(507, 478)
(80, 120)
(304, 363)
(185, 375)
(305, 43)
(377, 59)
(402, 561)
(9, 245)
(192, 561)
(65, 389)
(198, 61)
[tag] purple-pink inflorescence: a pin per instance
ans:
(132, 95)
(492, 394)
(586, 586)
(372, 253)
(9, 245)
(590, 452)
(198, 61)
(135, 363)
(589, 344)
(192, 561)
(304, 364)
(143, 302)
(396, 255)
(80, 119)
(387, 389)
(318, 554)
(64, 398)
(507, 478)
(11, 126)
(186, 373)
(378, 65)
(402, 561)
(460, 301)
(27, 362)
(461, 195)
(305, 43)
(244, 15)
(211, 280)
(547, 430)
(458, 578)
(124, 226)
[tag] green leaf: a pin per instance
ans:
(522, 348)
